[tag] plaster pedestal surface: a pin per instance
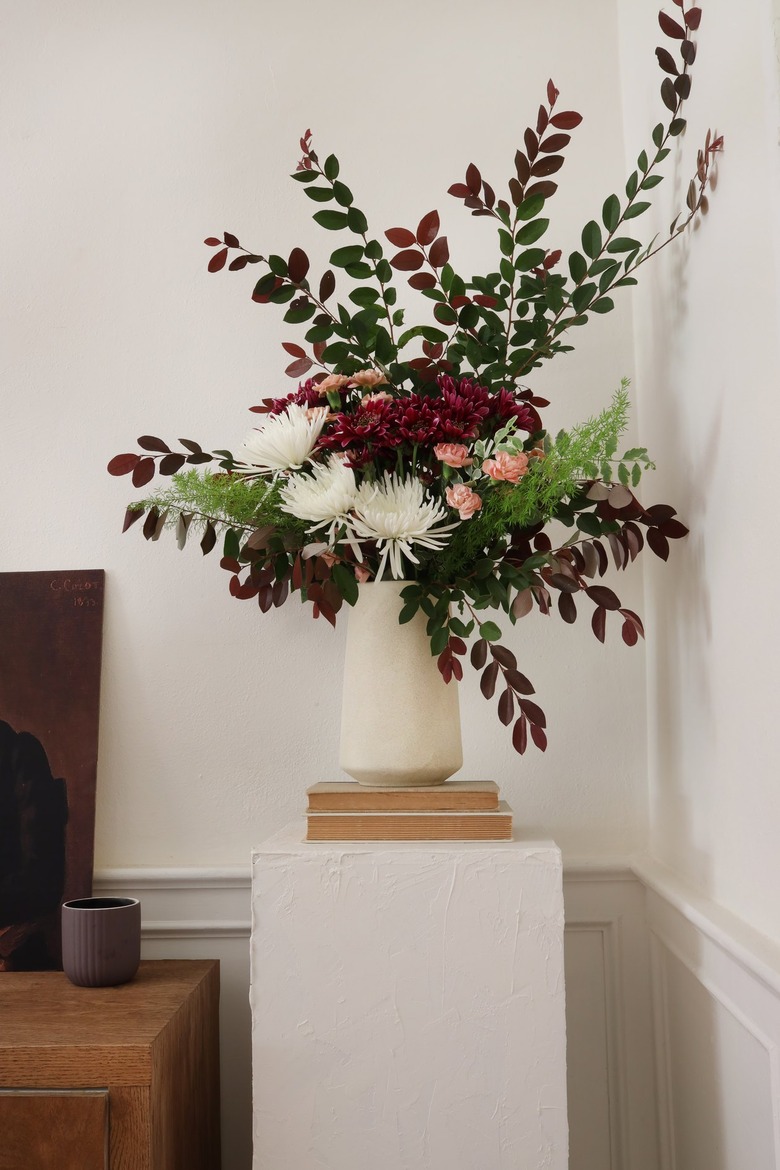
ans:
(408, 1006)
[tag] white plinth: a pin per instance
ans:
(408, 1006)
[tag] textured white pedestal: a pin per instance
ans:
(408, 1006)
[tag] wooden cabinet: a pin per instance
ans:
(111, 1078)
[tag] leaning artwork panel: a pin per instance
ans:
(51, 627)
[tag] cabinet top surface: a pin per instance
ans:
(43, 1008)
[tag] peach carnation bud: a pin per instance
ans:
(368, 378)
(332, 382)
(453, 454)
(507, 467)
(467, 502)
(383, 396)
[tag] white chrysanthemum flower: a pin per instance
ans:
(326, 495)
(285, 441)
(397, 514)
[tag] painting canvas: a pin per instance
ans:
(51, 628)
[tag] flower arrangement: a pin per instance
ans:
(418, 453)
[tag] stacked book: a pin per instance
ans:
(460, 810)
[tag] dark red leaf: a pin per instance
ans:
(152, 443)
(217, 261)
(473, 179)
(231, 241)
(658, 543)
(661, 511)
(457, 645)
(439, 253)
(444, 665)
(428, 229)
(539, 737)
(552, 93)
(531, 143)
(563, 582)
(459, 190)
(486, 301)
(299, 367)
(516, 191)
(212, 241)
(487, 683)
(400, 237)
(231, 564)
(682, 85)
(688, 52)
(599, 623)
(547, 166)
(422, 280)
(170, 464)
(408, 261)
(150, 523)
(667, 61)
(131, 515)
(237, 263)
(523, 167)
(265, 599)
(504, 656)
(567, 608)
(518, 682)
(554, 142)
(279, 592)
(506, 707)
(671, 27)
(123, 464)
(629, 615)
(293, 349)
(479, 654)
(457, 669)
(209, 538)
(319, 348)
(546, 188)
(629, 633)
(533, 712)
(693, 18)
(520, 735)
(566, 120)
(673, 530)
(143, 472)
(542, 118)
(327, 285)
(600, 595)
(297, 265)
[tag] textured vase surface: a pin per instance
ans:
(400, 722)
(101, 940)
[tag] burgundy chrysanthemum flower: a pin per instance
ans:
(417, 419)
(504, 405)
(371, 426)
(307, 394)
(463, 407)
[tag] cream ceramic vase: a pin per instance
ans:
(400, 722)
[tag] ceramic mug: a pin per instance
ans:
(101, 940)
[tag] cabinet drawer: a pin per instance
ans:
(53, 1129)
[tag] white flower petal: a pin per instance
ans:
(285, 441)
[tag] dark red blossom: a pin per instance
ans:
(307, 394)
(372, 426)
(504, 405)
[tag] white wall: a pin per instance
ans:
(708, 361)
(129, 133)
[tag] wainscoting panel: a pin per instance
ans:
(717, 1022)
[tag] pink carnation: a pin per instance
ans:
(467, 502)
(506, 466)
(368, 378)
(453, 454)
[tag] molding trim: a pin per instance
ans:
(753, 951)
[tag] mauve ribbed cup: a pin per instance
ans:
(101, 940)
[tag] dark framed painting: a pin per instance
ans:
(51, 631)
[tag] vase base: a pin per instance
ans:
(397, 782)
